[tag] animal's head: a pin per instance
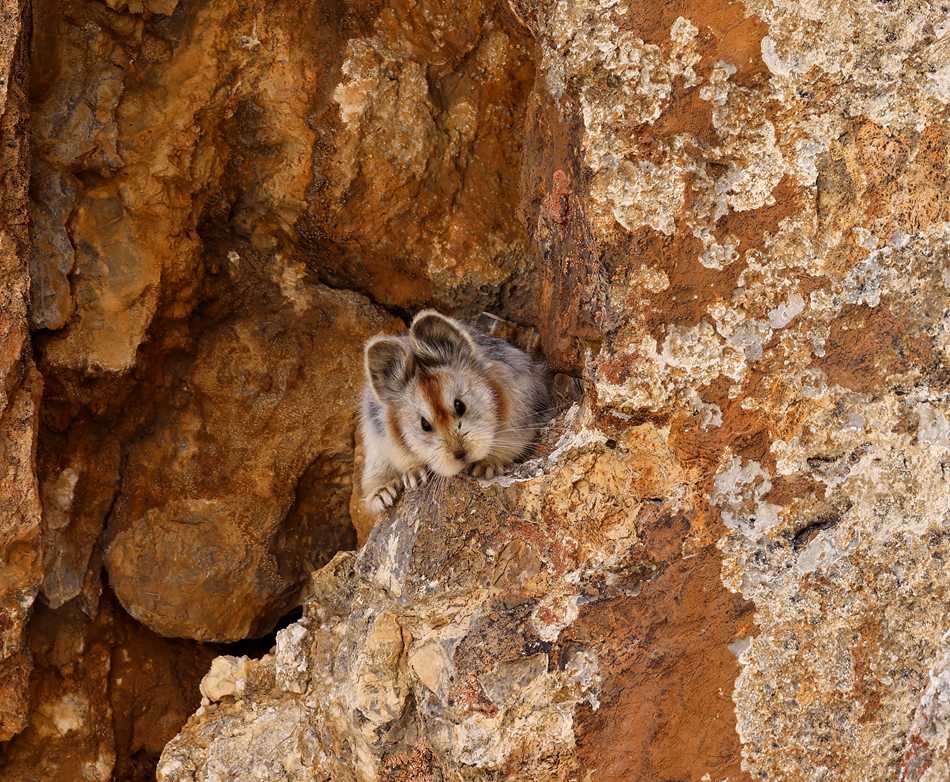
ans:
(436, 388)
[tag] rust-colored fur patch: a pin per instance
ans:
(395, 431)
(431, 388)
(501, 398)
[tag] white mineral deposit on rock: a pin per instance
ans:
(727, 223)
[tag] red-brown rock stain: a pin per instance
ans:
(665, 706)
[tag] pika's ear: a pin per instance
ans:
(437, 339)
(389, 366)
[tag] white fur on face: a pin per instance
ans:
(420, 375)
(433, 398)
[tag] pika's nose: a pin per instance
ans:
(460, 455)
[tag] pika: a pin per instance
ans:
(442, 399)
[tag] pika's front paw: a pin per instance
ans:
(417, 476)
(385, 496)
(488, 468)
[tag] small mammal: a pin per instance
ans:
(445, 398)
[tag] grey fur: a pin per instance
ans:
(466, 363)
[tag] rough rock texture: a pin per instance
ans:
(245, 475)
(105, 698)
(214, 214)
(468, 639)
(728, 561)
(196, 189)
(418, 187)
(234, 118)
(20, 385)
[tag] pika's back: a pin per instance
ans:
(526, 379)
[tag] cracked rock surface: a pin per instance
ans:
(20, 388)
(469, 637)
(731, 559)
(727, 561)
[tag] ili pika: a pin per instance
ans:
(445, 398)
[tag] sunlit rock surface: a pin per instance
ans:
(729, 220)
(733, 562)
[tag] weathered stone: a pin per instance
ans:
(729, 220)
(80, 477)
(20, 385)
(70, 729)
(447, 636)
(241, 485)
(164, 181)
(419, 188)
(191, 135)
(53, 200)
(226, 678)
(106, 696)
(739, 213)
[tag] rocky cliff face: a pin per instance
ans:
(727, 561)
(20, 385)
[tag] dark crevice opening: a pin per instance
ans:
(255, 648)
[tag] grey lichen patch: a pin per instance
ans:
(834, 340)
(739, 491)
(622, 82)
(925, 753)
(819, 573)
(884, 59)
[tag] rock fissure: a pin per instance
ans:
(727, 221)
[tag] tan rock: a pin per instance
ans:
(729, 220)
(730, 564)
(227, 678)
(106, 695)
(70, 727)
(242, 484)
(419, 159)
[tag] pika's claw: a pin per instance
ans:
(488, 468)
(385, 496)
(417, 476)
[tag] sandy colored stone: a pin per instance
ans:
(733, 561)
(226, 678)
(106, 695)
(728, 220)
(287, 151)
(445, 636)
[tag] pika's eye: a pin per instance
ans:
(459, 408)
(426, 426)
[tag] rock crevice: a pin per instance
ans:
(728, 220)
